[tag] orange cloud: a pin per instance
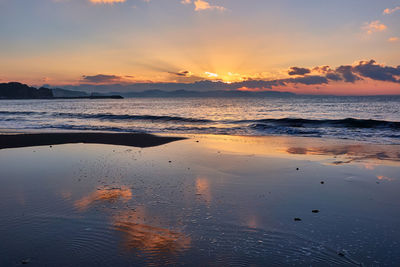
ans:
(374, 26)
(248, 89)
(388, 11)
(204, 5)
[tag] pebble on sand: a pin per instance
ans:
(315, 211)
(297, 219)
(25, 261)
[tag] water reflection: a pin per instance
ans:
(341, 151)
(351, 152)
(106, 193)
(252, 222)
(140, 230)
(384, 178)
(210, 208)
(66, 195)
(147, 238)
(203, 189)
(369, 166)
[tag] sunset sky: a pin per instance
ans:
(310, 46)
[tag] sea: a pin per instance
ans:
(373, 119)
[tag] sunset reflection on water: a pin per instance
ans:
(145, 237)
(337, 151)
(106, 193)
(203, 189)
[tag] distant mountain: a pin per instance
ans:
(217, 93)
(58, 92)
(15, 90)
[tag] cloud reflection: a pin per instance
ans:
(310, 148)
(384, 178)
(352, 152)
(105, 193)
(146, 238)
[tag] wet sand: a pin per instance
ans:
(204, 200)
(123, 139)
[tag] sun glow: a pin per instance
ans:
(226, 77)
(210, 74)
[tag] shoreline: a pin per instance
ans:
(332, 151)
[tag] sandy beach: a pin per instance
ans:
(43, 139)
(201, 200)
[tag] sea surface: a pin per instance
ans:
(374, 119)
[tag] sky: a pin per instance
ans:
(310, 46)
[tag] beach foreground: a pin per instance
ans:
(43, 139)
(204, 200)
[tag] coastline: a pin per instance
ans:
(338, 151)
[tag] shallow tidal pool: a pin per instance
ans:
(206, 200)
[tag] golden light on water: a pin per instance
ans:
(123, 193)
(203, 189)
(140, 233)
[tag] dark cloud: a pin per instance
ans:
(183, 73)
(298, 71)
(308, 80)
(365, 69)
(185, 76)
(322, 69)
(102, 78)
(185, 80)
(333, 76)
(372, 70)
(347, 74)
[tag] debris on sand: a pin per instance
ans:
(322, 182)
(315, 211)
(297, 219)
(25, 261)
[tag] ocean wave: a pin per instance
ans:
(257, 123)
(8, 113)
(107, 116)
(349, 128)
(340, 123)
